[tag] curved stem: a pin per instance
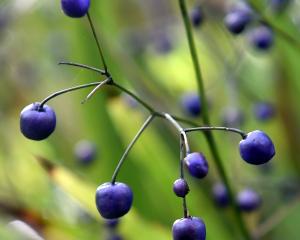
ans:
(106, 81)
(209, 137)
(83, 66)
(235, 130)
(66, 91)
(182, 155)
(137, 136)
(97, 42)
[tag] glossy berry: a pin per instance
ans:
(264, 111)
(75, 8)
(232, 117)
(196, 16)
(257, 148)
(262, 37)
(191, 228)
(181, 188)
(220, 195)
(191, 104)
(37, 123)
(248, 200)
(113, 200)
(238, 18)
(196, 164)
(85, 151)
(112, 223)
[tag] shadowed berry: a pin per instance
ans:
(190, 103)
(264, 111)
(257, 148)
(37, 123)
(112, 223)
(262, 37)
(248, 200)
(75, 8)
(162, 43)
(220, 195)
(191, 228)
(180, 187)
(113, 200)
(196, 164)
(85, 151)
(196, 16)
(279, 5)
(238, 18)
(232, 117)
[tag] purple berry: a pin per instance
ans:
(248, 200)
(113, 200)
(114, 237)
(196, 164)
(85, 151)
(196, 16)
(112, 223)
(220, 195)
(37, 123)
(257, 148)
(264, 111)
(262, 37)
(75, 8)
(162, 42)
(191, 104)
(181, 188)
(191, 228)
(279, 5)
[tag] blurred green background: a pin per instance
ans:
(36, 35)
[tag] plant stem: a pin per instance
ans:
(83, 66)
(205, 117)
(182, 155)
(235, 130)
(137, 136)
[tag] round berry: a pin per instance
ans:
(75, 8)
(112, 223)
(191, 228)
(262, 37)
(196, 164)
(257, 148)
(191, 104)
(196, 16)
(113, 200)
(85, 151)
(181, 188)
(220, 195)
(232, 117)
(248, 200)
(36, 122)
(162, 42)
(264, 111)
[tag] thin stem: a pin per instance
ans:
(235, 130)
(83, 66)
(137, 136)
(97, 42)
(66, 91)
(209, 137)
(182, 154)
(106, 81)
(146, 105)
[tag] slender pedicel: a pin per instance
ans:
(235, 130)
(125, 154)
(106, 81)
(182, 154)
(83, 66)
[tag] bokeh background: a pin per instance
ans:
(146, 49)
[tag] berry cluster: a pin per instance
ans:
(114, 199)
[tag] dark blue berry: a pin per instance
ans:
(238, 18)
(196, 164)
(191, 228)
(37, 123)
(112, 223)
(75, 8)
(191, 104)
(248, 200)
(257, 148)
(113, 200)
(262, 37)
(264, 111)
(180, 187)
(196, 16)
(162, 43)
(220, 195)
(232, 117)
(85, 151)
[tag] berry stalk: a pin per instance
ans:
(205, 117)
